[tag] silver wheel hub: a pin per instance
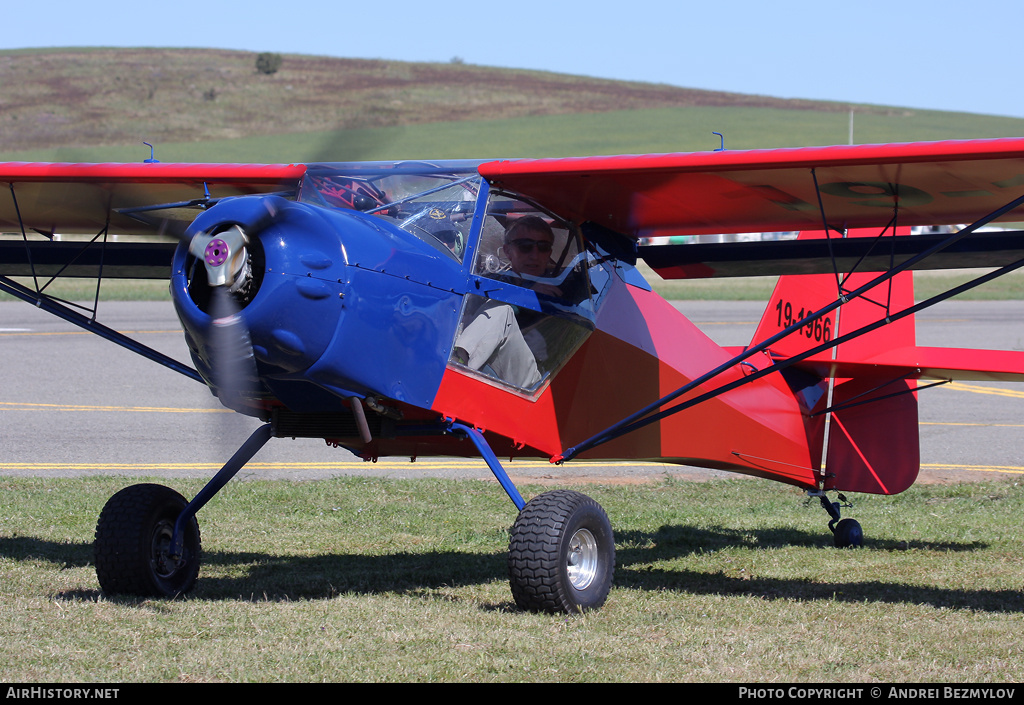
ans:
(160, 559)
(582, 559)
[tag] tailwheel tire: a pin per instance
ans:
(132, 547)
(848, 534)
(561, 554)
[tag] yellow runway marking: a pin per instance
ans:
(961, 387)
(1009, 469)
(984, 425)
(396, 464)
(212, 467)
(433, 464)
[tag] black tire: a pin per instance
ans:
(848, 534)
(561, 554)
(133, 535)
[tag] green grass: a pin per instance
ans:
(110, 290)
(618, 132)
(212, 105)
(376, 580)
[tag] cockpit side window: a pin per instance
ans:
(523, 244)
(518, 346)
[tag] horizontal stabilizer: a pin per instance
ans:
(967, 364)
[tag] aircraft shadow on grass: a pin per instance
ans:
(279, 577)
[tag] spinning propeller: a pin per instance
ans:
(226, 254)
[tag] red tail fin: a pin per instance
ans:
(797, 296)
(873, 432)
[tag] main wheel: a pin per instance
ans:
(561, 554)
(133, 538)
(848, 534)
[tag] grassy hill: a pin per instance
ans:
(210, 105)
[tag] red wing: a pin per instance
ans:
(935, 183)
(79, 198)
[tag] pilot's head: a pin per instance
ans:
(528, 243)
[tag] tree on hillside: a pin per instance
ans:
(268, 62)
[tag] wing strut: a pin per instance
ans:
(647, 415)
(62, 310)
(51, 305)
(828, 236)
(892, 224)
(24, 235)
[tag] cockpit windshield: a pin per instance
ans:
(434, 202)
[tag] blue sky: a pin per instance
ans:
(940, 54)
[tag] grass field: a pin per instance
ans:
(379, 580)
(617, 132)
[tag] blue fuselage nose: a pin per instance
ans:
(342, 304)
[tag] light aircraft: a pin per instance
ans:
(494, 309)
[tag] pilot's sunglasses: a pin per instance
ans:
(526, 245)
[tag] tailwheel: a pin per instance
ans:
(848, 534)
(133, 544)
(561, 554)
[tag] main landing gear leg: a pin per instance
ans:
(846, 533)
(147, 538)
(561, 555)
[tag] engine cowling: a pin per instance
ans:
(335, 303)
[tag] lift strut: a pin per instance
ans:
(647, 415)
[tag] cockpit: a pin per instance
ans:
(534, 286)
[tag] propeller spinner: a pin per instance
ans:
(228, 272)
(226, 257)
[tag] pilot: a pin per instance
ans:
(493, 341)
(529, 242)
(528, 245)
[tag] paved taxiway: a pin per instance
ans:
(73, 404)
